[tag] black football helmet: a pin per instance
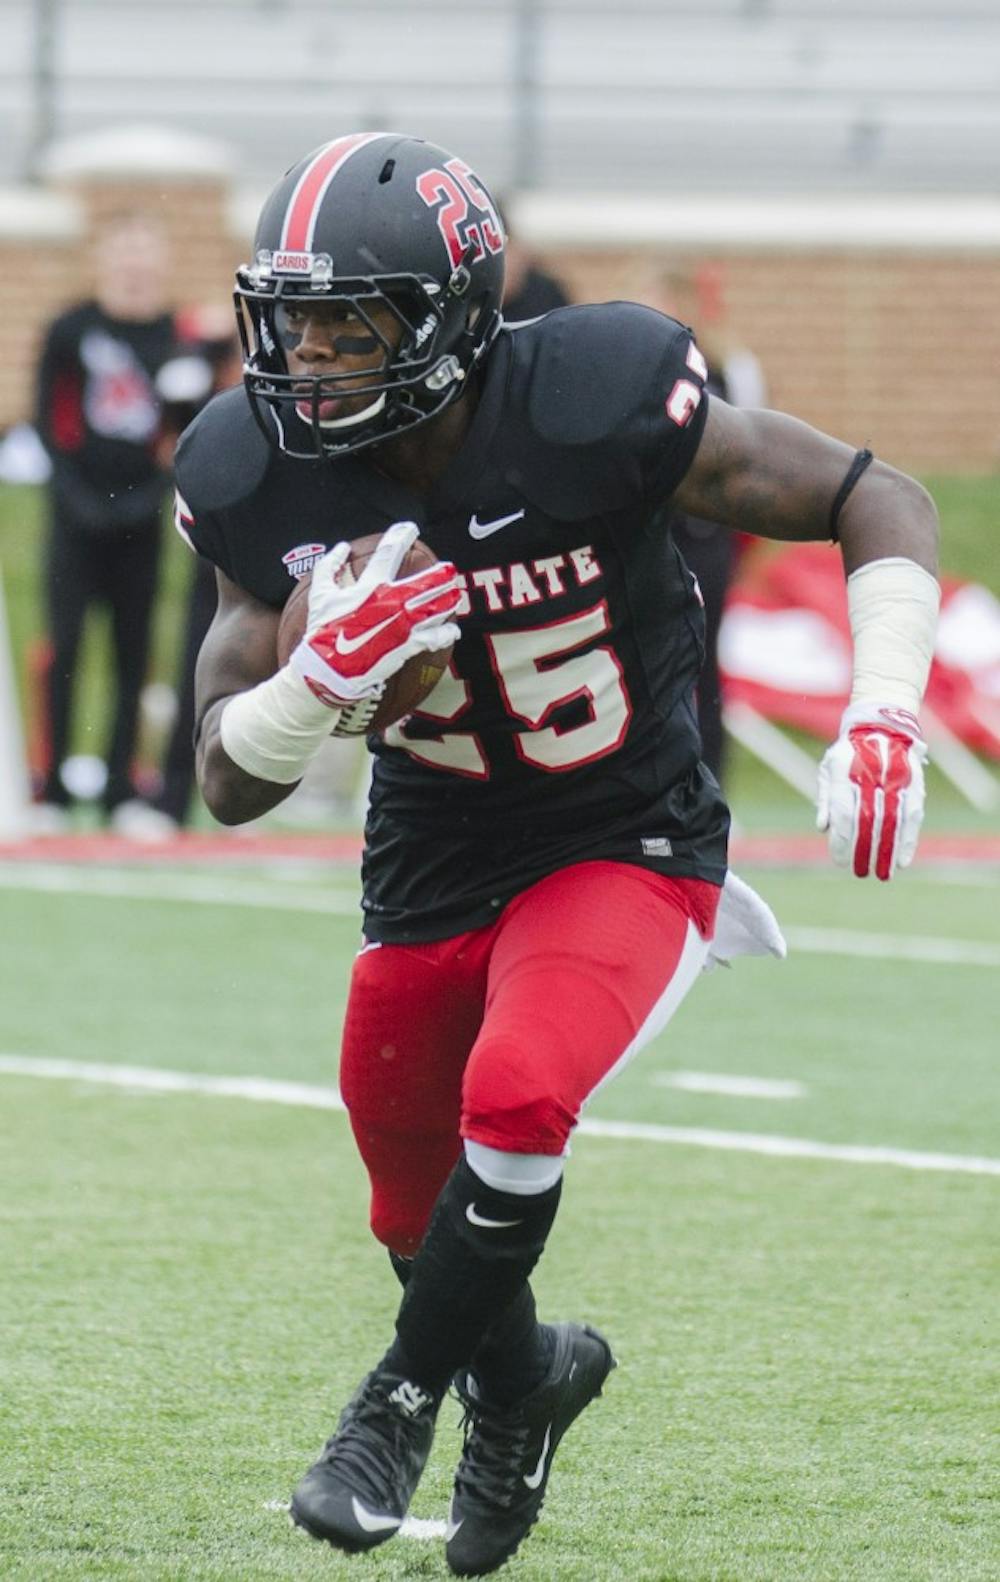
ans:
(371, 218)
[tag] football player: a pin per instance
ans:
(544, 851)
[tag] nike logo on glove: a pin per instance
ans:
(371, 1521)
(478, 529)
(350, 645)
(531, 1480)
(489, 1224)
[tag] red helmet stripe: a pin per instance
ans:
(311, 187)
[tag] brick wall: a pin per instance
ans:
(897, 348)
(45, 275)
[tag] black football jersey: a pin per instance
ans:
(564, 729)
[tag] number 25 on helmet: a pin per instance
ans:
(400, 249)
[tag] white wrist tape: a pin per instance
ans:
(273, 730)
(893, 608)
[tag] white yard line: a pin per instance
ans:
(143, 1079)
(150, 1079)
(961, 874)
(730, 1087)
(144, 884)
(326, 898)
(791, 1147)
(892, 947)
(422, 1528)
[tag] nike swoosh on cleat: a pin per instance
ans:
(371, 1521)
(349, 645)
(533, 1479)
(489, 1224)
(478, 529)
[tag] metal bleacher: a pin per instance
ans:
(855, 96)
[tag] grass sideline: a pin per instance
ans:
(808, 1379)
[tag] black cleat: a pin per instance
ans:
(501, 1478)
(357, 1493)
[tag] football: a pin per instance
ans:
(404, 691)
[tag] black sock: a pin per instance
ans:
(402, 1267)
(514, 1355)
(472, 1266)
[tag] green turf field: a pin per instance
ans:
(808, 1384)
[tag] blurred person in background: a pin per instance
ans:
(545, 864)
(529, 290)
(98, 416)
(694, 297)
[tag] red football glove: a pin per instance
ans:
(358, 634)
(871, 790)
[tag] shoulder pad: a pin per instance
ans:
(592, 366)
(222, 455)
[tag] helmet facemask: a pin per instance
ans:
(417, 369)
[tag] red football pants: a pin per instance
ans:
(502, 1034)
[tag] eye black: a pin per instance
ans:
(356, 345)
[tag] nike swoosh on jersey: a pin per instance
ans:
(371, 1521)
(478, 529)
(490, 1224)
(533, 1479)
(350, 645)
